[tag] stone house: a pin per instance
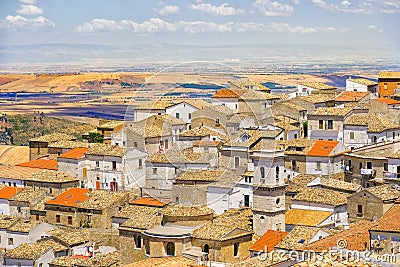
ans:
(108, 128)
(39, 146)
(215, 117)
(291, 110)
(21, 203)
(73, 162)
(227, 238)
(371, 203)
(314, 101)
(15, 175)
(154, 134)
(384, 234)
(363, 165)
(388, 82)
(76, 241)
(53, 182)
(162, 169)
(190, 137)
(327, 123)
(361, 85)
(40, 253)
(295, 155)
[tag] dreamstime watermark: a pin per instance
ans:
(337, 253)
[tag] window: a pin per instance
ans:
(237, 162)
(369, 165)
(235, 249)
(349, 162)
(177, 115)
(69, 219)
(246, 201)
(114, 165)
(318, 165)
(295, 136)
(206, 248)
(166, 143)
(374, 139)
(262, 170)
(330, 124)
(277, 174)
(11, 241)
(89, 218)
(217, 122)
(385, 87)
(154, 170)
(359, 210)
(294, 165)
(170, 249)
(18, 209)
(84, 173)
(360, 165)
(58, 218)
(134, 144)
(139, 242)
(97, 164)
(190, 116)
(320, 124)
(140, 163)
(37, 217)
(352, 135)
(385, 166)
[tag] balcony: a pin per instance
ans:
(392, 175)
(368, 172)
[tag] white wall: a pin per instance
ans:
(183, 109)
(360, 136)
(4, 207)
(353, 86)
(328, 165)
(231, 103)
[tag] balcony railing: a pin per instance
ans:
(393, 175)
(368, 172)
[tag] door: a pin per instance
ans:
(246, 200)
(237, 161)
(98, 185)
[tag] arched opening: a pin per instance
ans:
(206, 248)
(170, 249)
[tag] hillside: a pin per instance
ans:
(22, 127)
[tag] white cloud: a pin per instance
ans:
(374, 28)
(223, 10)
(273, 8)
(361, 7)
(155, 25)
(28, 2)
(21, 23)
(296, 2)
(29, 10)
(168, 10)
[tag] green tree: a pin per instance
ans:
(96, 138)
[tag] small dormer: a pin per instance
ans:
(243, 138)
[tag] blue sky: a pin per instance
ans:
(350, 25)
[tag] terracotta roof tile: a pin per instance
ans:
(75, 153)
(70, 198)
(186, 210)
(268, 241)
(348, 96)
(206, 143)
(318, 85)
(306, 217)
(298, 238)
(357, 238)
(363, 81)
(200, 175)
(163, 262)
(389, 74)
(331, 111)
(389, 222)
(148, 201)
(40, 164)
(228, 93)
(54, 137)
(321, 195)
(33, 251)
(322, 148)
(388, 101)
(8, 192)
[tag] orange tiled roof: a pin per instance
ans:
(389, 222)
(206, 143)
(74, 153)
(387, 101)
(357, 239)
(40, 164)
(268, 241)
(163, 262)
(8, 192)
(351, 96)
(228, 93)
(322, 148)
(148, 201)
(70, 198)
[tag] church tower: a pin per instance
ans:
(269, 194)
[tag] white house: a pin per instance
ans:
(361, 85)
(135, 161)
(229, 191)
(7, 192)
(321, 199)
(24, 231)
(307, 88)
(364, 129)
